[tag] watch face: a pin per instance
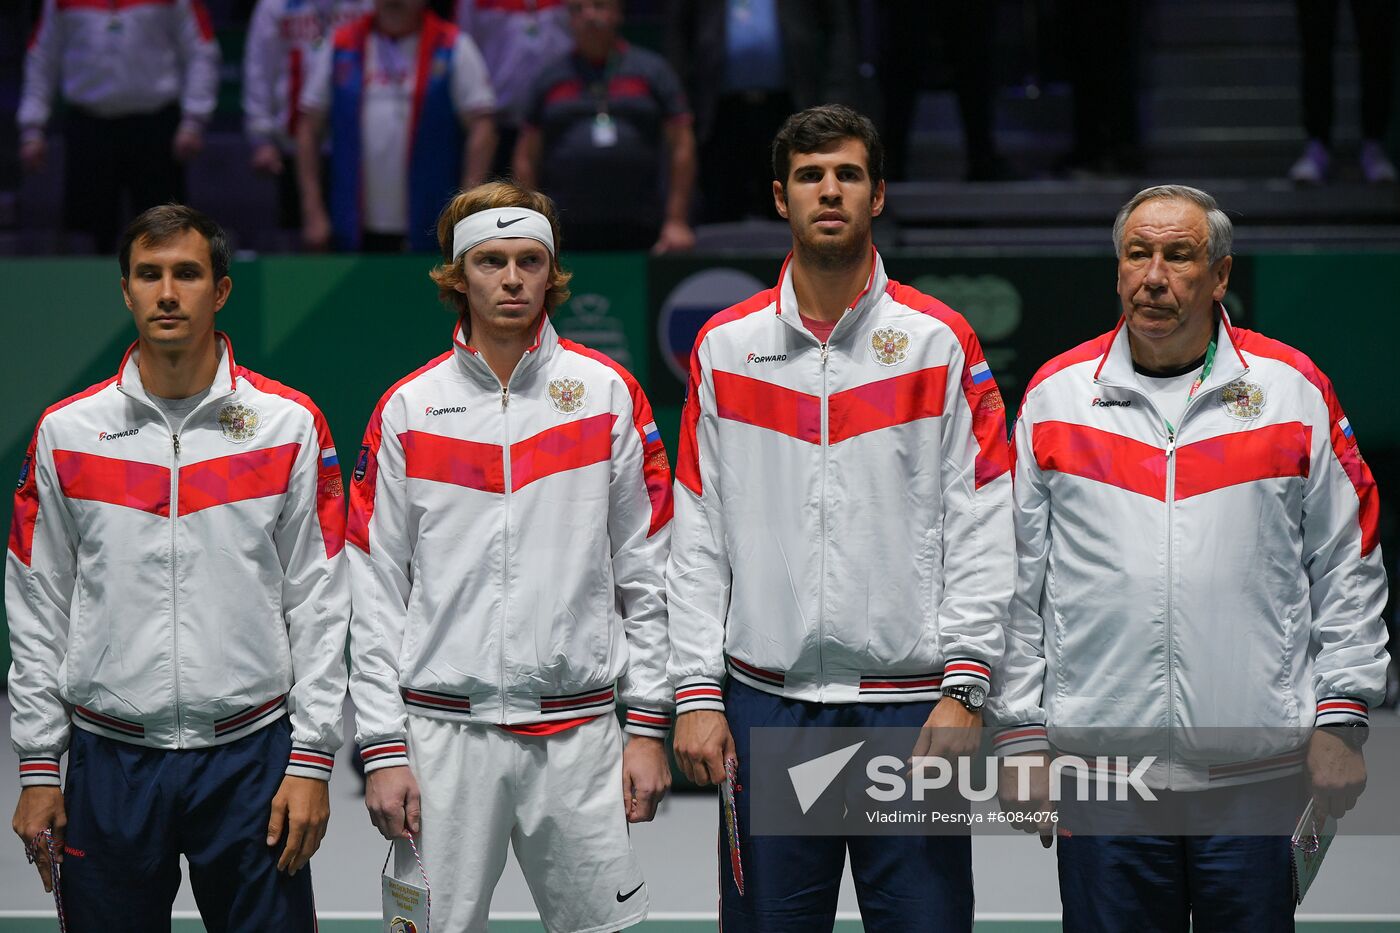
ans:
(968, 695)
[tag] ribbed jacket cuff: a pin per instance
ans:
(1342, 711)
(305, 761)
(386, 753)
(699, 693)
(39, 771)
(1021, 740)
(648, 721)
(967, 671)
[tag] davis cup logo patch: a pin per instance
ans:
(1242, 399)
(566, 395)
(239, 422)
(889, 345)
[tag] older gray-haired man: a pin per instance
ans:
(1196, 548)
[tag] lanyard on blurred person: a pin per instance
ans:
(604, 130)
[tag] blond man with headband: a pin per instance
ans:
(510, 517)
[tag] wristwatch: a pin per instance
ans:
(1354, 734)
(969, 695)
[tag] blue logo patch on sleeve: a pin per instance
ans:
(362, 463)
(23, 472)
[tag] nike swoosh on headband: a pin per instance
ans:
(503, 223)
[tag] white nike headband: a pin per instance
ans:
(498, 224)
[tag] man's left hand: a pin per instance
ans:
(1035, 766)
(676, 237)
(302, 808)
(646, 776)
(952, 730)
(1337, 773)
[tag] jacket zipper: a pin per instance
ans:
(1171, 641)
(174, 570)
(821, 586)
(174, 582)
(174, 575)
(505, 533)
(174, 534)
(825, 348)
(1172, 436)
(505, 539)
(1170, 495)
(1170, 492)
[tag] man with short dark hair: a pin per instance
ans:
(178, 616)
(1199, 583)
(843, 542)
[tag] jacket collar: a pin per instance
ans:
(787, 310)
(473, 365)
(225, 376)
(1115, 367)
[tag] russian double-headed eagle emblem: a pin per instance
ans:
(889, 345)
(239, 422)
(566, 395)
(1242, 399)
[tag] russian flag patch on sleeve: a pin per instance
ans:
(328, 458)
(980, 372)
(652, 435)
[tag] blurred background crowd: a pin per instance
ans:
(343, 124)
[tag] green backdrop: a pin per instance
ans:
(343, 329)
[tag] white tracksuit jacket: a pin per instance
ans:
(1224, 576)
(843, 511)
(282, 39)
(125, 58)
(178, 586)
(509, 547)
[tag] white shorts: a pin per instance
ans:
(557, 799)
